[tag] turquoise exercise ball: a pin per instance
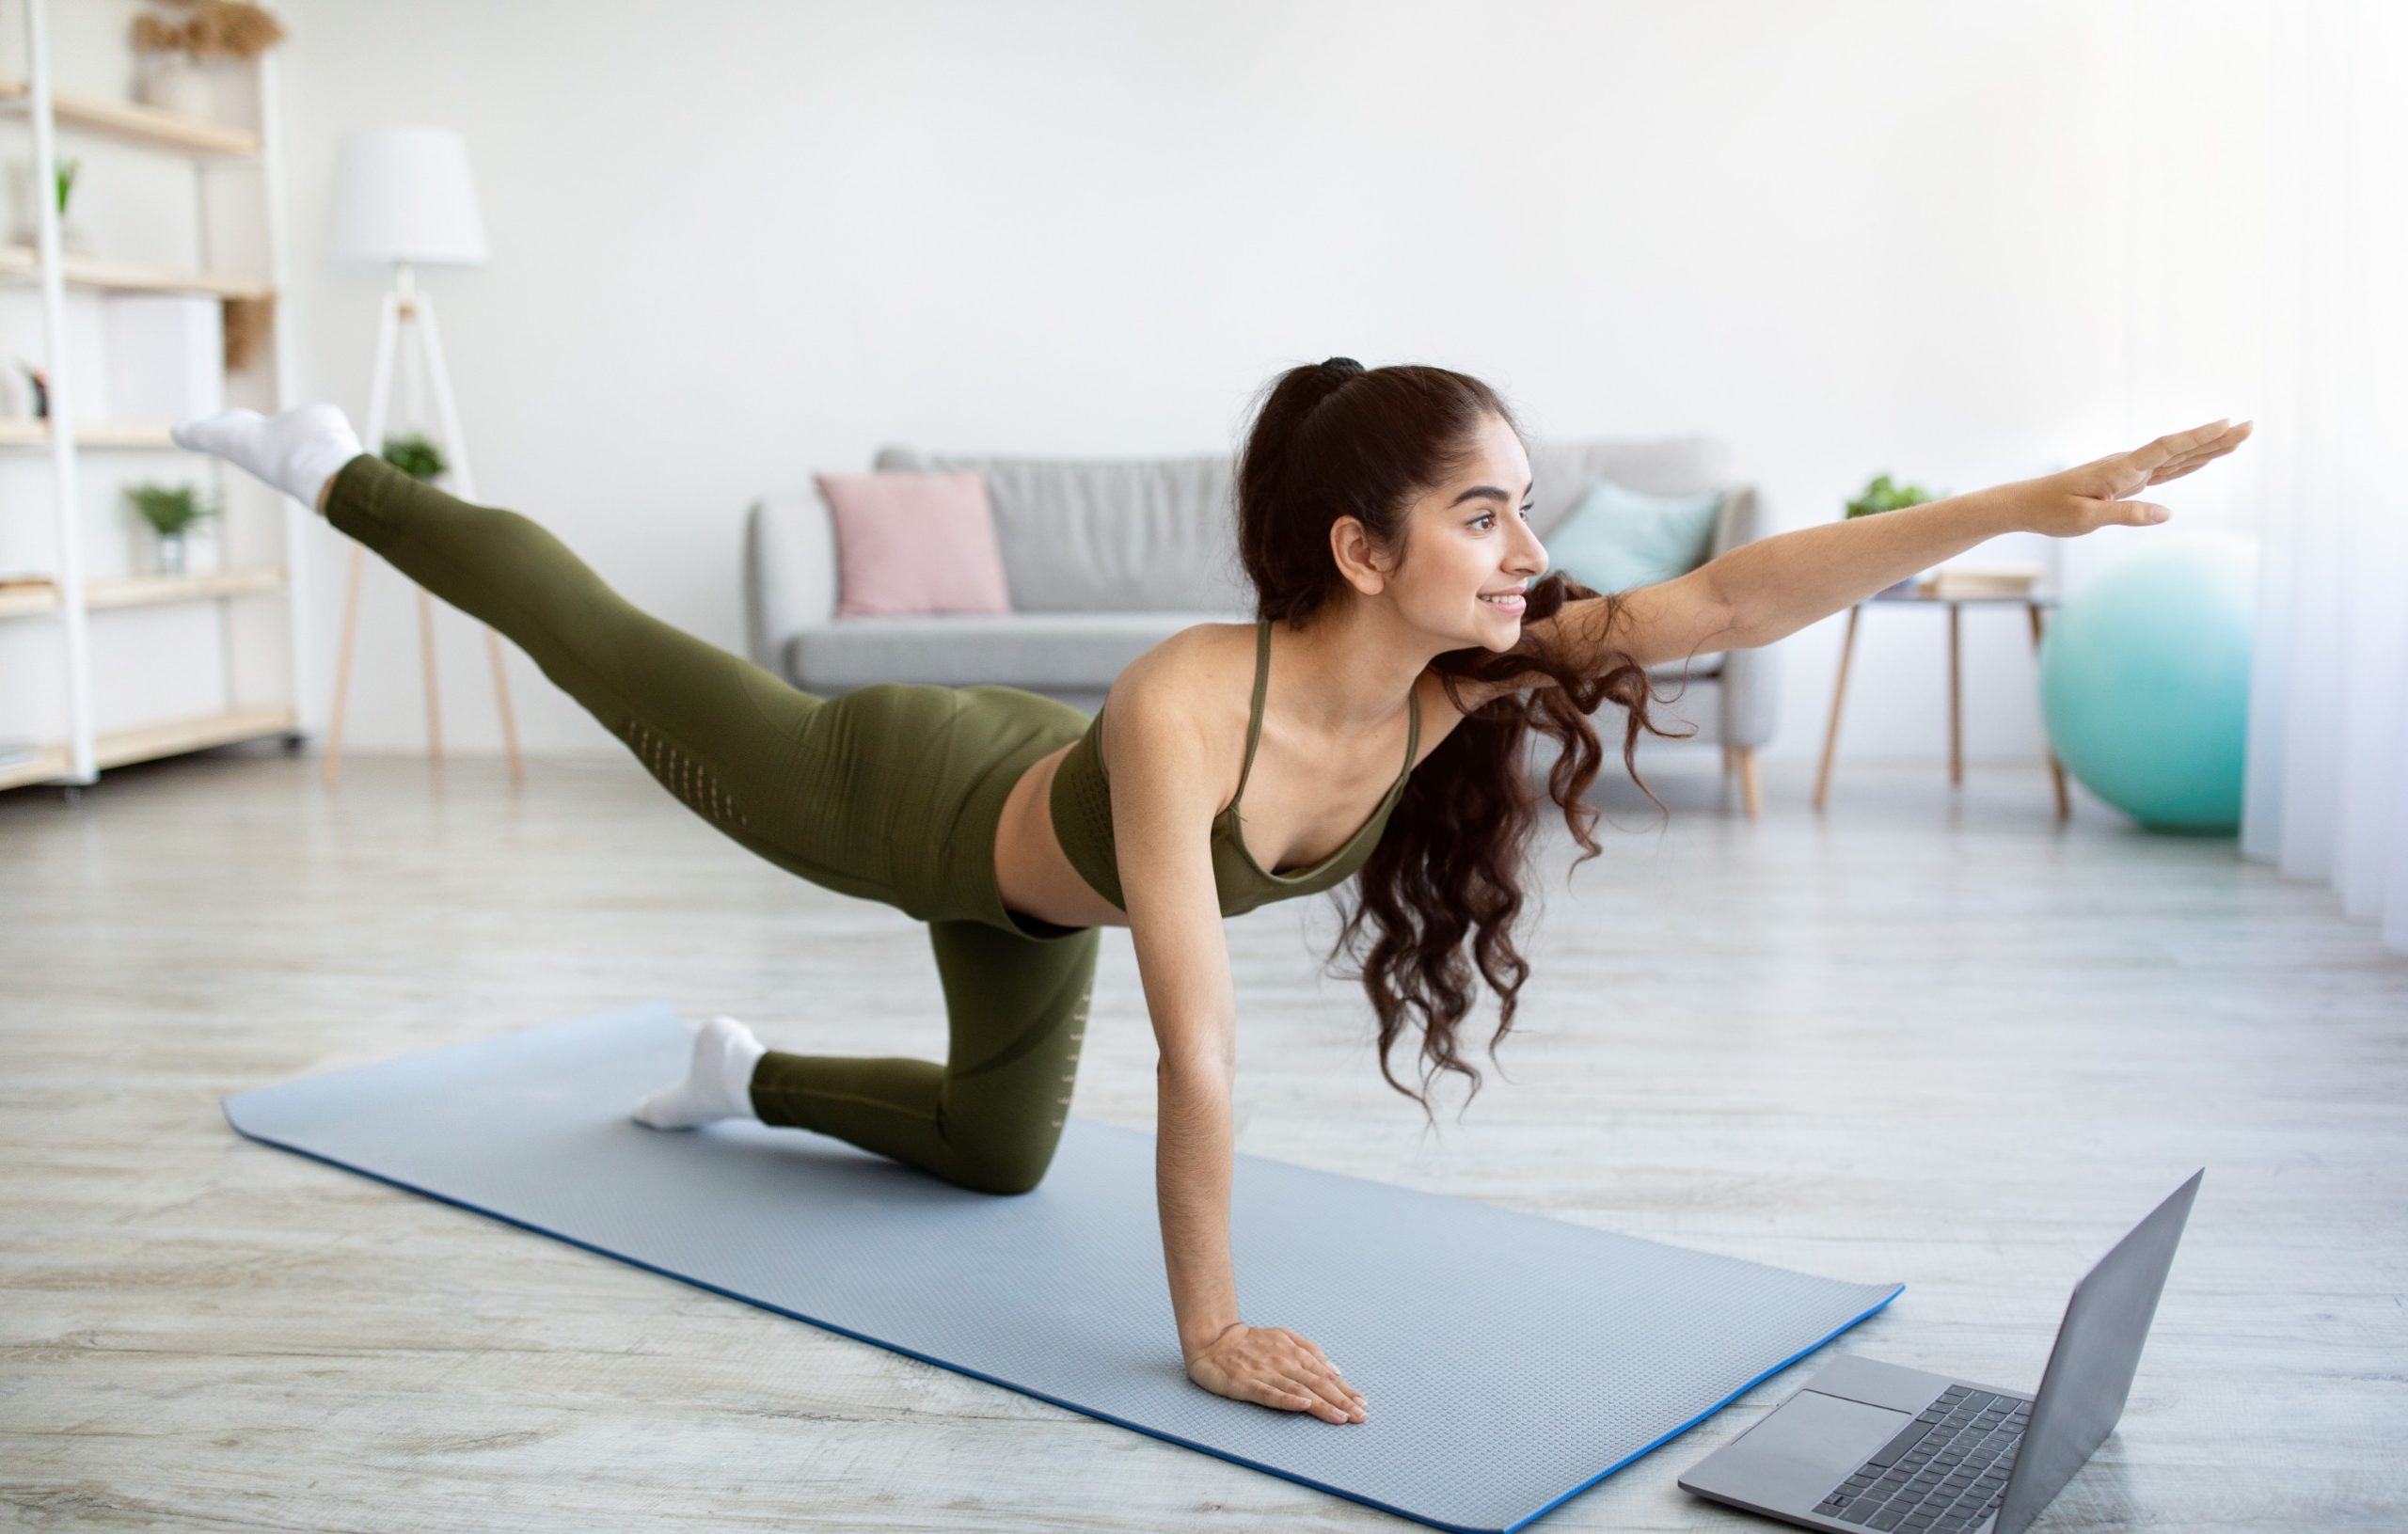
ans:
(2145, 682)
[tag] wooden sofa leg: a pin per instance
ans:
(1749, 791)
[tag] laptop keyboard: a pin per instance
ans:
(1945, 1471)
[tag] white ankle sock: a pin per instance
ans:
(720, 1085)
(296, 452)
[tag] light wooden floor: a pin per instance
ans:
(1933, 1039)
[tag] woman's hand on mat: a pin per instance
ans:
(1271, 1365)
(2083, 499)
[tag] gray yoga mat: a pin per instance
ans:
(1510, 1360)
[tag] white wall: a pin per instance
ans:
(734, 244)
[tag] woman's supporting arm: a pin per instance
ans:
(1195, 1161)
(1164, 787)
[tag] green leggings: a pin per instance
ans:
(890, 791)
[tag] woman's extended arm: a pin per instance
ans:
(1777, 586)
(1770, 589)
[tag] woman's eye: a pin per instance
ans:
(1491, 516)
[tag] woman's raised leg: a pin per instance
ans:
(730, 739)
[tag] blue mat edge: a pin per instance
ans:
(226, 1106)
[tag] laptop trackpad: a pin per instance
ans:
(1811, 1444)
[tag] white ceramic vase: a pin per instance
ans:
(176, 82)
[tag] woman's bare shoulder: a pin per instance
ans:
(1191, 666)
(1185, 677)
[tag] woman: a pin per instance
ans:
(1371, 721)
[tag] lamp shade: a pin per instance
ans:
(405, 195)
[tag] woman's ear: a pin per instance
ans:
(1357, 560)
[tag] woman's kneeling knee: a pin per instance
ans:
(1003, 1163)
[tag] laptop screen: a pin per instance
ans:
(2090, 1369)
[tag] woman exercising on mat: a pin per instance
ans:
(1372, 721)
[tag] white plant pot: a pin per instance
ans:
(177, 84)
(72, 238)
(171, 553)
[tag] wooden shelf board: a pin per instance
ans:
(148, 742)
(146, 591)
(132, 123)
(47, 762)
(149, 591)
(130, 277)
(88, 434)
(143, 744)
(18, 601)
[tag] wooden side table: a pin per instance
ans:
(1910, 597)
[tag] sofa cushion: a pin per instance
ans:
(1619, 539)
(1109, 535)
(914, 543)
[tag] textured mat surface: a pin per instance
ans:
(1510, 1360)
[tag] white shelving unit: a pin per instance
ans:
(72, 600)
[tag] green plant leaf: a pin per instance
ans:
(414, 455)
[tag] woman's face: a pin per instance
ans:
(1471, 539)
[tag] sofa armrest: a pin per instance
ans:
(789, 573)
(1750, 696)
(1751, 678)
(1738, 522)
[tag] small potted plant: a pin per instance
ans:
(176, 81)
(171, 510)
(1882, 495)
(415, 456)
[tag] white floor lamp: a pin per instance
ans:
(402, 199)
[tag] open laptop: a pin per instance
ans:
(1872, 1445)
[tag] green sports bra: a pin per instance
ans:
(1082, 808)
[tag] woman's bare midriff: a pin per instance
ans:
(1036, 875)
(1033, 871)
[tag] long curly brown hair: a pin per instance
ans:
(1334, 440)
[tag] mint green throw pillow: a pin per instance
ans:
(1618, 538)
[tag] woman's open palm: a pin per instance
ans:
(1271, 1365)
(2081, 499)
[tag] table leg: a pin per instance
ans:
(1839, 692)
(1750, 790)
(1956, 712)
(426, 663)
(2056, 768)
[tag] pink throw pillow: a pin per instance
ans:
(912, 542)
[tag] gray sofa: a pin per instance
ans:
(1105, 558)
